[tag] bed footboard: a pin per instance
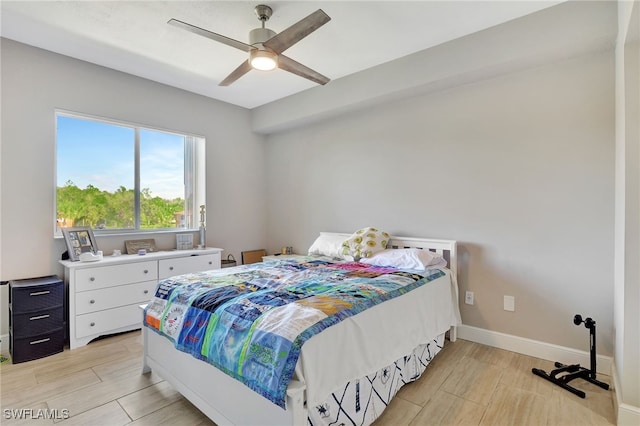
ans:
(220, 397)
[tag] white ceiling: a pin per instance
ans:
(133, 37)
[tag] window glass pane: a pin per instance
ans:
(95, 174)
(162, 187)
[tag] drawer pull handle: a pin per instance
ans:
(35, 342)
(39, 293)
(210, 263)
(39, 317)
(92, 279)
(171, 268)
(92, 301)
(146, 271)
(92, 324)
(146, 292)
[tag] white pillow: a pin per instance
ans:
(327, 245)
(407, 259)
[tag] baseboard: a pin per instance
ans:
(4, 343)
(627, 415)
(534, 348)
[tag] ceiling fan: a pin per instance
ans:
(265, 46)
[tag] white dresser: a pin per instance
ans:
(104, 296)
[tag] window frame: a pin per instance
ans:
(197, 167)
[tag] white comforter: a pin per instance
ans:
(381, 334)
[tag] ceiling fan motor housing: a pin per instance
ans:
(262, 58)
(259, 36)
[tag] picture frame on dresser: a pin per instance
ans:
(134, 246)
(79, 240)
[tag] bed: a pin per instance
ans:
(348, 371)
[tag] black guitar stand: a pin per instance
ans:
(575, 371)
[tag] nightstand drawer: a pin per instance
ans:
(34, 347)
(34, 323)
(112, 297)
(109, 276)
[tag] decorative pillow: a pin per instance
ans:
(327, 245)
(412, 258)
(365, 242)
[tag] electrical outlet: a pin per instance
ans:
(509, 303)
(468, 298)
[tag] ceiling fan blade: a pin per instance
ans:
(288, 64)
(244, 68)
(296, 32)
(213, 36)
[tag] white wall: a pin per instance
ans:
(35, 82)
(570, 28)
(627, 212)
(518, 168)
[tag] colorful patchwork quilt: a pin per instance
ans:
(251, 321)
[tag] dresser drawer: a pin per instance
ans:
(34, 323)
(101, 322)
(34, 347)
(34, 298)
(183, 265)
(107, 276)
(112, 297)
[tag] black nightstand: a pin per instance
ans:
(36, 318)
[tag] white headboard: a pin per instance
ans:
(447, 248)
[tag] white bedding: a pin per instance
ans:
(361, 401)
(425, 313)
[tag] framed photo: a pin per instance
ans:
(133, 246)
(79, 240)
(184, 241)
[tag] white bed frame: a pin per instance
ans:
(225, 400)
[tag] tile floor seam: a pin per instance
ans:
(125, 411)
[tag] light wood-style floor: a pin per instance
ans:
(466, 384)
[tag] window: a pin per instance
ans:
(119, 177)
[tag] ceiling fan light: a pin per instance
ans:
(263, 60)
